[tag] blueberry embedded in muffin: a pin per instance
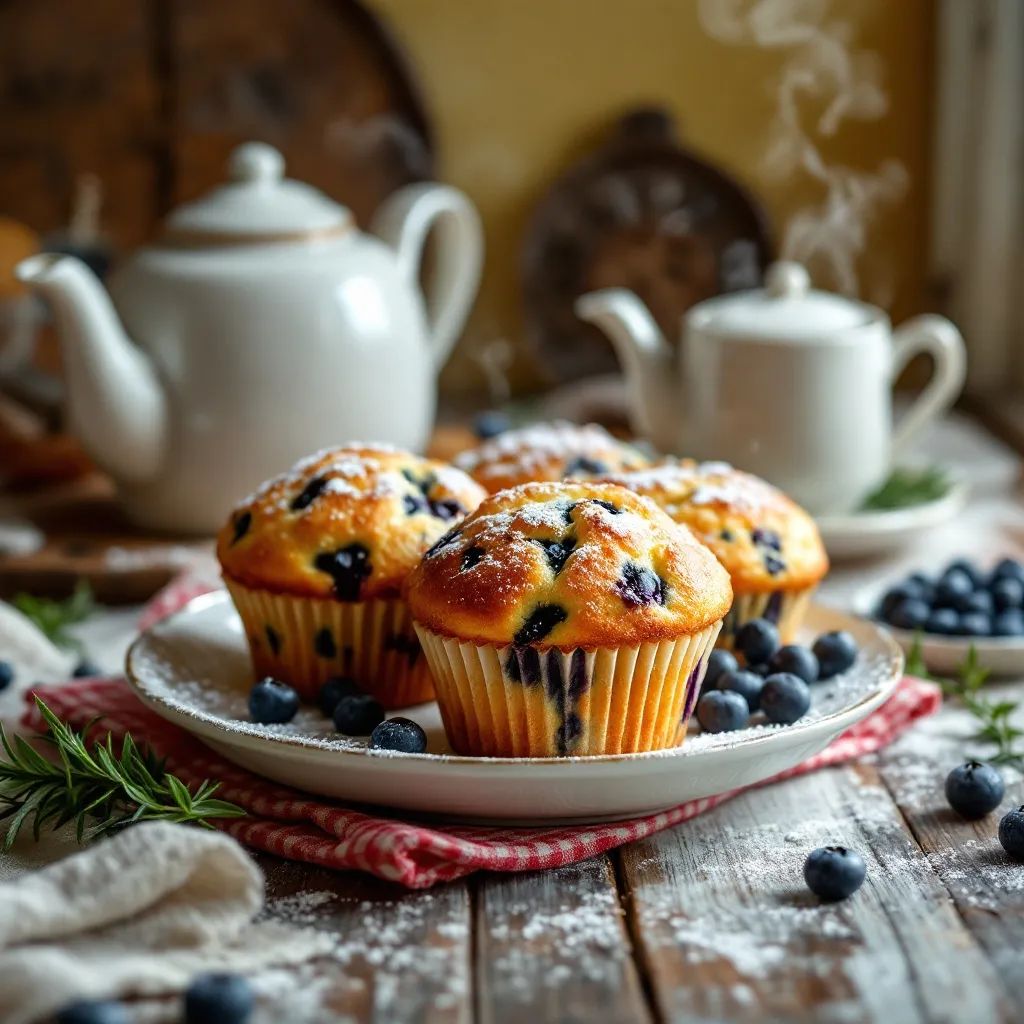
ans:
(570, 618)
(315, 561)
(548, 451)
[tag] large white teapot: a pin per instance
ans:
(260, 326)
(784, 381)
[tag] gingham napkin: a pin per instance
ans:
(298, 826)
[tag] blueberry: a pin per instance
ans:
(757, 640)
(6, 675)
(977, 602)
(309, 493)
(952, 586)
(834, 872)
(836, 652)
(1008, 569)
(943, 622)
(398, 734)
(719, 661)
(909, 614)
(583, 465)
(86, 669)
(333, 690)
(1011, 833)
(348, 567)
(357, 715)
(471, 557)
(795, 660)
(272, 702)
(921, 586)
(747, 684)
(241, 526)
(92, 1011)
(760, 668)
(1009, 623)
(896, 596)
(968, 568)
(218, 999)
(558, 552)
(975, 624)
(785, 698)
(541, 620)
(722, 711)
(490, 423)
(973, 789)
(641, 586)
(1007, 593)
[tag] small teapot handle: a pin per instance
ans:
(404, 220)
(942, 341)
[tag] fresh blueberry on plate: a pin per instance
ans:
(1008, 569)
(1011, 833)
(975, 624)
(785, 698)
(746, 683)
(722, 711)
(761, 668)
(895, 596)
(1008, 623)
(836, 652)
(719, 662)
(333, 690)
(1007, 593)
(218, 999)
(973, 789)
(757, 640)
(797, 661)
(977, 602)
(968, 569)
(921, 586)
(87, 669)
(398, 734)
(6, 675)
(272, 702)
(357, 715)
(834, 872)
(952, 587)
(92, 1011)
(909, 614)
(943, 622)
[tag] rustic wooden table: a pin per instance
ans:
(711, 921)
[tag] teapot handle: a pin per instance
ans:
(943, 342)
(404, 220)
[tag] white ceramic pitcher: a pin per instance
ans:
(787, 382)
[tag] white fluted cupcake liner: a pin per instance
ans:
(786, 608)
(522, 702)
(304, 641)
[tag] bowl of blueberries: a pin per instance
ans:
(963, 605)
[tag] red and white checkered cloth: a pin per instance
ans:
(292, 824)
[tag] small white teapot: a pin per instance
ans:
(789, 383)
(260, 326)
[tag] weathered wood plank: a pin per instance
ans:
(728, 931)
(986, 885)
(552, 946)
(399, 956)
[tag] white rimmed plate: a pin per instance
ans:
(193, 670)
(943, 655)
(867, 534)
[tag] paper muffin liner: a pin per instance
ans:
(786, 608)
(521, 702)
(304, 641)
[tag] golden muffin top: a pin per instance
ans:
(765, 540)
(548, 451)
(568, 565)
(348, 523)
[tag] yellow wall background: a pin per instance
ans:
(518, 89)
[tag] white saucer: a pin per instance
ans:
(866, 534)
(193, 669)
(943, 655)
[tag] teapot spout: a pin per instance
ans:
(646, 359)
(115, 404)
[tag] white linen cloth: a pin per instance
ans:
(139, 914)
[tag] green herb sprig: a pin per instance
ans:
(995, 727)
(98, 785)
(908, 487)
(54, 618)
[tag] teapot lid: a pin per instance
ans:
(786, 307)
(258, 204)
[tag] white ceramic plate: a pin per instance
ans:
(866, 534)
(193, 669)
(943, 655)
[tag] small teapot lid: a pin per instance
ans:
(257, 204)
(786, 307)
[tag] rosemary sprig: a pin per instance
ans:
(54, 618)
(995, 727)
(111, 789)
(907, 487)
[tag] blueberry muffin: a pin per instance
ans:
(316, 558)
(567, 618)
(548, 451)
(770, 546)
